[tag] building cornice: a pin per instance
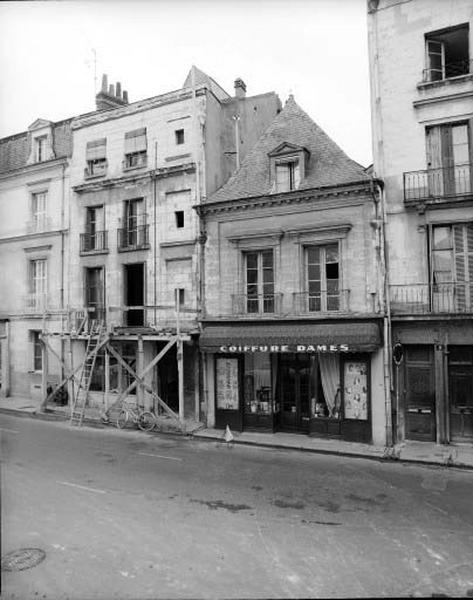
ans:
(161, 173)
(34, 168)
(32, 236)
(342, 191)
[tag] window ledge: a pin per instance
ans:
(425, 85)
(92, 176)
(134, 248)
(92, 252)
(135, 168)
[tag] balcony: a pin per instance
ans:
(257, 304)
(306, 303)
(437, 185)
(433, 298)
(36, 302)
(135, 160)
(94, 243)
(136, 238)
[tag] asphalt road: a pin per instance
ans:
(134, 515)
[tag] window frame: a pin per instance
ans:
(36, 357)
(435, 37)
(39, 217)
(261, 297)
(324, 293)
(179, 136)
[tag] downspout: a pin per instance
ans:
(155, 283)
(380, 200)
(63, 201)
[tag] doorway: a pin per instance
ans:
(294, 392)
(420, 394)
(134, 295)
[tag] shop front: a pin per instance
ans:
(301, 378)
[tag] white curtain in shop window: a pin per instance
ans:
(330, 373)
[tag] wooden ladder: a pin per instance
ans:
(96, 333)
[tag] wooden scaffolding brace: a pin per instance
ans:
(93, 331)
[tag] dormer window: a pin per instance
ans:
(287, 175)
(40, 148)
(288, 164)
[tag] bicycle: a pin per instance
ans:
(144, 419)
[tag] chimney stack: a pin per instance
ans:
(110, 96)
(240, 88)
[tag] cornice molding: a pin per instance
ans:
(32, 236)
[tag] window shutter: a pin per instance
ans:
(135, 141)
(96, 149)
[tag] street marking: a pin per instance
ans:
(8, 430)
(82, 487)
(159, 456)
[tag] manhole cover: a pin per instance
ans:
(22, 559)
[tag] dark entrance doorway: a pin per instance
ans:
(294, 392)
(168, 382)
(420, 394)
(460, 375)
(134, 295)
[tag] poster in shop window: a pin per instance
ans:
(356, 391)
(227, 384)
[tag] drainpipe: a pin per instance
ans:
(380, 200)
(155, 292)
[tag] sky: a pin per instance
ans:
(314, 49)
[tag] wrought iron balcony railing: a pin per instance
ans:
(136, 238)
(323, 302)
(425, 298)
(257, 304)
(94, 242)
(431, 184)
(452, 69)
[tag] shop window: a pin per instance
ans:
(258, 384)
(447, 53)
(325, 386)
(323, 278)
(259, 273)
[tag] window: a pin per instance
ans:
(95, 290)
(323, 279)
(134, 232)
(38, 284)
(447, 53)
(179, 133)
(135, 149)
(448, 159)
(39, 211)
(96, 157)
(179, 215)
(452, 267)
(37, 351)
(287, 176)
(40, 148)
(259, 271)
(95, 234)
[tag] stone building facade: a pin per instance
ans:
(293, 308)
(34, 225)
(422, 118)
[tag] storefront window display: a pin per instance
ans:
(258, 390)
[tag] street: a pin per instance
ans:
(123, 514)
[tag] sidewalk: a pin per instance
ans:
(453, 455)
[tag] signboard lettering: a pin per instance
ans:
(231, 348)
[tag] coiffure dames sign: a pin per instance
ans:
(286, 348)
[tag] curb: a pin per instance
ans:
(53, 416)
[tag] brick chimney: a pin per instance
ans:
(110, 96)
(240, 88)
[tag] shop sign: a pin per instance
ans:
(286, 348)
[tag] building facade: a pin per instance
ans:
(293, 308)
(135, 254)
(422, 117)
(34, 223)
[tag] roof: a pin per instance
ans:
(328, 165)
(15, 149)
(196, 78)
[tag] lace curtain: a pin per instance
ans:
(330, 374)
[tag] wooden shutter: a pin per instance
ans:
(96, 149)
(135, 141)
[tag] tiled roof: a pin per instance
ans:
(328, 164)
(15, 149)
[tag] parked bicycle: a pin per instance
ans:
(144, 419)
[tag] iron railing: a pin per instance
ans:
(425, 298)
(94, 242)
(134, 160)
(430, 184)
(452, 69)
(133, 238)
(320, 303)
(256, 304)
(96, 168)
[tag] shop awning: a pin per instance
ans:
(294, 337)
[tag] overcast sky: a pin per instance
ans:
(315, 49)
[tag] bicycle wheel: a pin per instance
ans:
(146, 421)
(122, 419)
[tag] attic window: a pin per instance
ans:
(40, 148)
(287, 175)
